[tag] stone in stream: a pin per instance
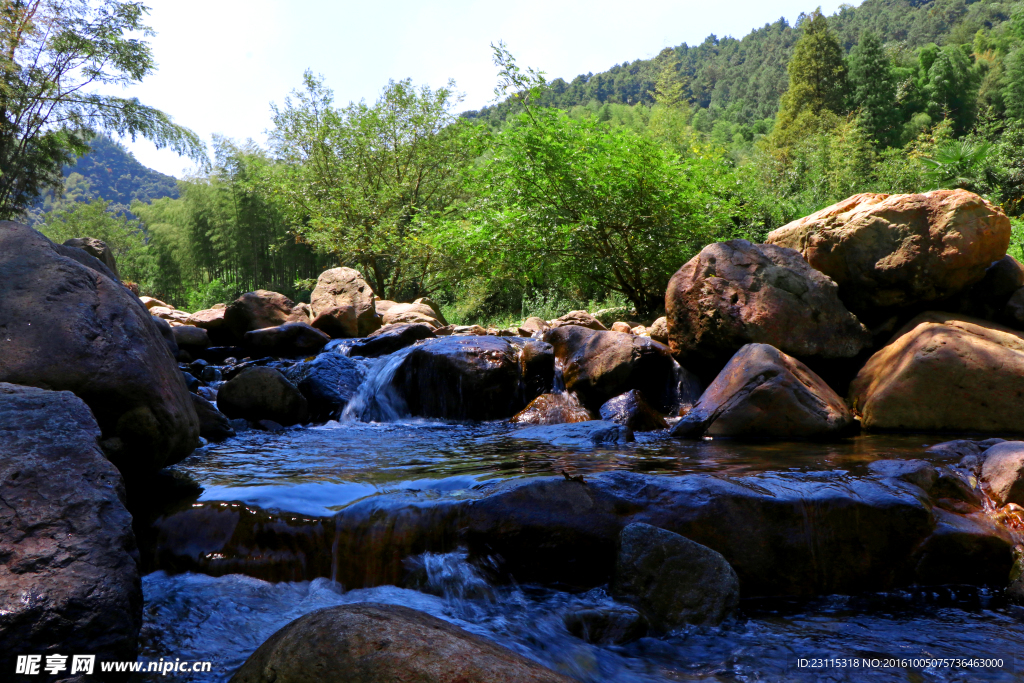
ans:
(763, 392)
(328, 382)
(535, 325)
(259, 309)
(633, 412)
(390, 338)
(552, 409)
(600, 365)
(964, 549)
(577, 434)
(69, 576)
(607, 625)
(96, 248)
(343, 304)
(944, 372)
(195, 340)
(66, 326)
(260, 393)
(419, 314)
(377, 643)
(673, 579)
(213, 424)
(1003, 472)
(288, 340)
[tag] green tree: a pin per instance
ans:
(951, 86)
(873, 90)
(959, 164)
(53, 53)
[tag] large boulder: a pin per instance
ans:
(391, 338)
(328, 382)
(944, 372)
(69, 578)
(375, 643)
(890, 251)
(1002, 472)
(735, 293)
(67, 326)
(259, 309)
(212, 320)
(421, 314)
(290, 339)
(763, 392)
(599, 365)
(343, 304)
(261, 393)
(673, 579)
(96, 248)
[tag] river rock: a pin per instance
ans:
(149, 302)
(537, 366)
(577, 434)
(430, 303)
(96, 248)
(382, 306)
(391, 338)
(70, 327)
(533, 325)
(167, 334)
(328, 382)
(213, 424)
(191, 339)
(290, 339)
(762, 392)
(673, 579)
(944, 372)
(620, 326)
(964, 549)
(1003, 472)
(599, 365)
(376, 643)
(889, 251)
(579, 318)
(259, 309)
(552, 409)
(212, 320)
(735, 293)
(69, 579)
(606, 626)
(658, 331)
(412, 314)
(632, 411)
(260, 393)
(343, 304)
(988, 298)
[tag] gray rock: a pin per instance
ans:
(1003, 472)
(585, 434)
(289, 339)
(920, 473)
(191, 339)
(260, 393)
(374, 643)
(69, 579)
(213, 424)
(673, 579)
(391, 338)
(328, 382)
(98, 249)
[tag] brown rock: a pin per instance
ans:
(896, 250)
(261, 393)
(599, 365)
(632, 410)
(208, 319)
(430, 303)
(96, 248)
(735, 293)
(534, 324)
(552, 409)
(66, 326)
(150, 302)
(944, 372)
(191, 339)
(383, 306)
(375, 643)
(259, 309)
(763, 392)
(290, 339)
(580, 318)
(658, 330)
(344, 293)
(622, 327)
(412, 313)
(340, 322)
(1003, 472)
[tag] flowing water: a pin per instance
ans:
(317, 471)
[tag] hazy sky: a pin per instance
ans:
(221, 62)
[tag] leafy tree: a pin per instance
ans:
(951, 86)
(959, 164)
(52, 54)
(873, 90)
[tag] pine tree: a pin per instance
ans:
(873, 90)
(817, 83)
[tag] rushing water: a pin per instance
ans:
(320, 470)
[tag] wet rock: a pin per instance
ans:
(191, 339)
(213, 424)
(537, 366)
(192, 383)
(259, 309)
(259, 393)
(658, 331)
(735, 293)
(621, 327)
(763, 392)
(632, 411)
(1003, 472)
(375, 643)
(888, 251)
(607, 625)
(958, 448)
(391, 338)
(579, 434)
(552, 409)
(1015, 591)
(598, 366)
(673, 579)
(268, 426)
(290, 339)
(69, 578)
(69, 327)
(328, 382)
(920, 473)
(413, 314)
(965, 549)
(944, 372)
(580, 319)
(96, 248)
(343, 304)
(533, 325)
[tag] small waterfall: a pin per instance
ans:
(558, 386)
(376, 399)
(449, 575)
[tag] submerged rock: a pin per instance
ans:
(390, 338)
(674, 580)
(1003, 472)
(586, 434)
(736, 293)
(375, 643)
(67, 326)
(888, 251)
(69, 578)
(633, 412)
(328, 382)
(260, 393)
(763, 392)
(290, 339)
(606, 626)
(944, 372)
(343, 304)
(552, 409)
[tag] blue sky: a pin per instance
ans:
(221, 62)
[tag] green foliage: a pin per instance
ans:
(959, 164)
(53, 54)
(873, 90)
